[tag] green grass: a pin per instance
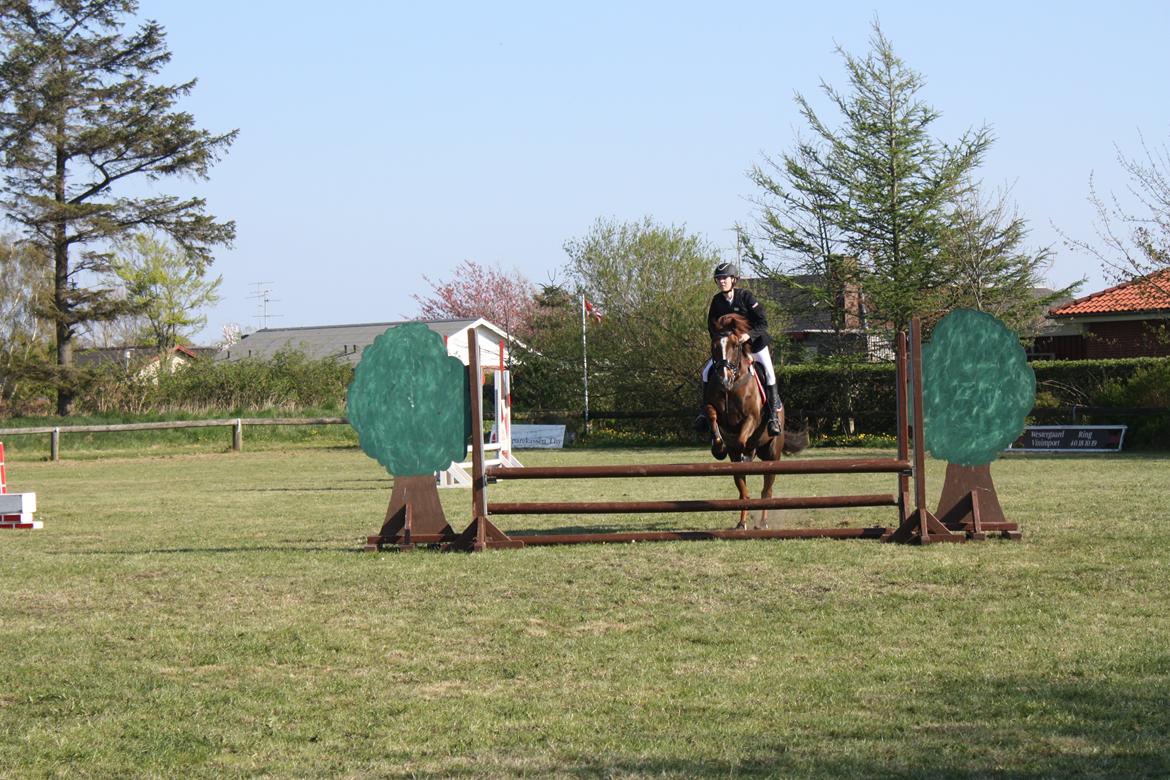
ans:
(210, 614)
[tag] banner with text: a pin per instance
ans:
(538, 437)
(1070, 438)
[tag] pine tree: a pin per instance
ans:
(993, 271)
(879, 186)
(80, 116)
(23, 334)
(798, 220)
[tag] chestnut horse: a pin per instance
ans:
(737, 412)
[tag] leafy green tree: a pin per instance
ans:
(651, 283)
(408, 403)
(547, 375)
(977, 390)
(24, 333)
(879, 186)
(165, 290)
(81, 117)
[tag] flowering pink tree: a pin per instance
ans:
(480, 291)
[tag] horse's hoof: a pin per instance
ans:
(740, 527)
(718, 452)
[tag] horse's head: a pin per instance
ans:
(730, 356)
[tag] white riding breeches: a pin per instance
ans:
(763, 356)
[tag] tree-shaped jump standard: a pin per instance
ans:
(408, 404)
(977, 391)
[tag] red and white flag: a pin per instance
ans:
(592, 311)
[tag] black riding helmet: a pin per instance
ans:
(726, 269)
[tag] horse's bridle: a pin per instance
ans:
(721, 362)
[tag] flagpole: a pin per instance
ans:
(585, 363)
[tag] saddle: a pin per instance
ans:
(758, 372)
(757, 369)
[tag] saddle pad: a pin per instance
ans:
(759, 382)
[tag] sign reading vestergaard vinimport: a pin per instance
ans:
(1070, 438)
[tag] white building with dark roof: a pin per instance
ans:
(347, 342)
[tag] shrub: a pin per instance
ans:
(289, 382)
(1148, 387)
(1086, 382)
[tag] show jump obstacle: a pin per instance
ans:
(16, 509)
(408, 525)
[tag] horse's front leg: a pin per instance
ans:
(743, 441)
(741, 485)
(718, 447)
(769, 479)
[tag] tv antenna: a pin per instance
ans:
(261, 296)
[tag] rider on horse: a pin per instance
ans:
(733, 300)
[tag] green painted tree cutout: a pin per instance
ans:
(977, 390)
(408, 403)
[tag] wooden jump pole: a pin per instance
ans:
(921, 527)
(689, 505)
(482, 533)
(755, 468)
(619, 537)
(919, 439)
(903, 424)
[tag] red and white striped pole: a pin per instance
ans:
(3, 475)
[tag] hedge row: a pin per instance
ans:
(833, 397)
(860, 399)
(288, 383)
(831, 400)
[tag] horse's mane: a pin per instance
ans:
(732, 323)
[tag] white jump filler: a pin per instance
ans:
(16, 509)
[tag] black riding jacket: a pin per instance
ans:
(746, 305)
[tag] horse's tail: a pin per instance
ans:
(794, 441)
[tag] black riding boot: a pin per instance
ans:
(773, 410)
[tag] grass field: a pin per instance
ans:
(210, 614)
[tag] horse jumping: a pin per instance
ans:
(736, 410)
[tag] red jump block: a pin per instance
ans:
(29, 525)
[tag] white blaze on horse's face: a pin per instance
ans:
(729, 346)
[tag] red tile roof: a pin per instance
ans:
(1148, 293)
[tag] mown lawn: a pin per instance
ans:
(207, 615)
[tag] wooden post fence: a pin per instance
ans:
(235, 426)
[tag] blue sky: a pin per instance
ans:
(381, 142)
